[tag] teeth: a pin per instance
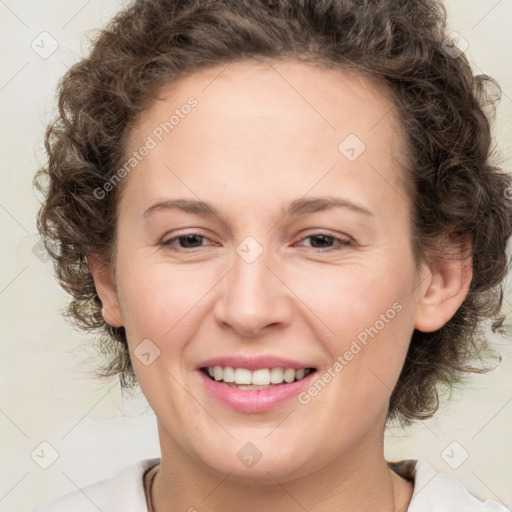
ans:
(242, 376)
(260, 377)
(276, 375)
(217, 373)
(289, 375)
(228, 374)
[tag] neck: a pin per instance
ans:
(349, 484)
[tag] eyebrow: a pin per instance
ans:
(298, 207)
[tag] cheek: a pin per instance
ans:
(159, 301)
(371, 323)
(349, 299)
(363, 317)
(163, 305)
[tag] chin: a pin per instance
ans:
(258, 463)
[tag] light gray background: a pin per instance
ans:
(48, 394)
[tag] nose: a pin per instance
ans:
(253, 298)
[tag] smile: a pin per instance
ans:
(257, 391)
(262, 378)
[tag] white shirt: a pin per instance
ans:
(124, 492)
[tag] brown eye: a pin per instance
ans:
(187, 241)
(324, 241)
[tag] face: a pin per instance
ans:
(266, 227)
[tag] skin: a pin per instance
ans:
(262, 136)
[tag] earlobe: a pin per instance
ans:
(443, 292)
(106, 289)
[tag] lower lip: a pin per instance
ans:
(254, 400)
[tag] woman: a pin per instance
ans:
(283, 218)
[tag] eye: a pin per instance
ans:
(185, 241)
(322, 241)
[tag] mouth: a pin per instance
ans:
(258, 379)
(254, 383)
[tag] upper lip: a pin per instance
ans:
(253, 362)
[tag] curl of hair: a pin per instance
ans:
(455, 190)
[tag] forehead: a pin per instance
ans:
(284, 88)
(271, 123)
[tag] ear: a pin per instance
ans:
(107, 290)
(442, 291)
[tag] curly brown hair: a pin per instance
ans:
(455, 189)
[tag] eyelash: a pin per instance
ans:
(342, 242)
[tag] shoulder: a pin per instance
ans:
(122, 492)
(437, 492)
